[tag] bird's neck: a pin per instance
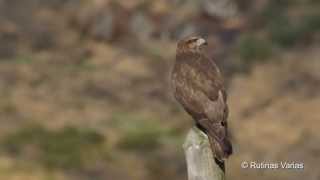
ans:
(185, 55)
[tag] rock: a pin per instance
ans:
(219, 8)
(103, 27)
(141, 26)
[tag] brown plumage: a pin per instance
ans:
(198, 86)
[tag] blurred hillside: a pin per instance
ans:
(85, 92)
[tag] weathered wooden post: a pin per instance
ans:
(200, 162)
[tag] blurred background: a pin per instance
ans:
(85, 92)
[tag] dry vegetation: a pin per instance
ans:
(85, 93)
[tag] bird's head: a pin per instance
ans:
(192, 44)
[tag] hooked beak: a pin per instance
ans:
(201, 42)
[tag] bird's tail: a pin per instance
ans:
(221, 148)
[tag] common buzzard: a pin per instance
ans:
(198, 86)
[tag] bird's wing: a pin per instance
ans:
(209, 81)
(199, 88)
(198, 84)
(209, 78)
(216, 108)
(189, 96)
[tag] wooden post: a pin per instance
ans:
(200, 162)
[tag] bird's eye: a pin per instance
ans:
(223, 123)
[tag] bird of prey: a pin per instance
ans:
(198, 86)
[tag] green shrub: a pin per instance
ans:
(141, 136)
(66, 148)
(274, 9)
(287, 34)
(252, 49)
(283, 32)
(310, 23)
